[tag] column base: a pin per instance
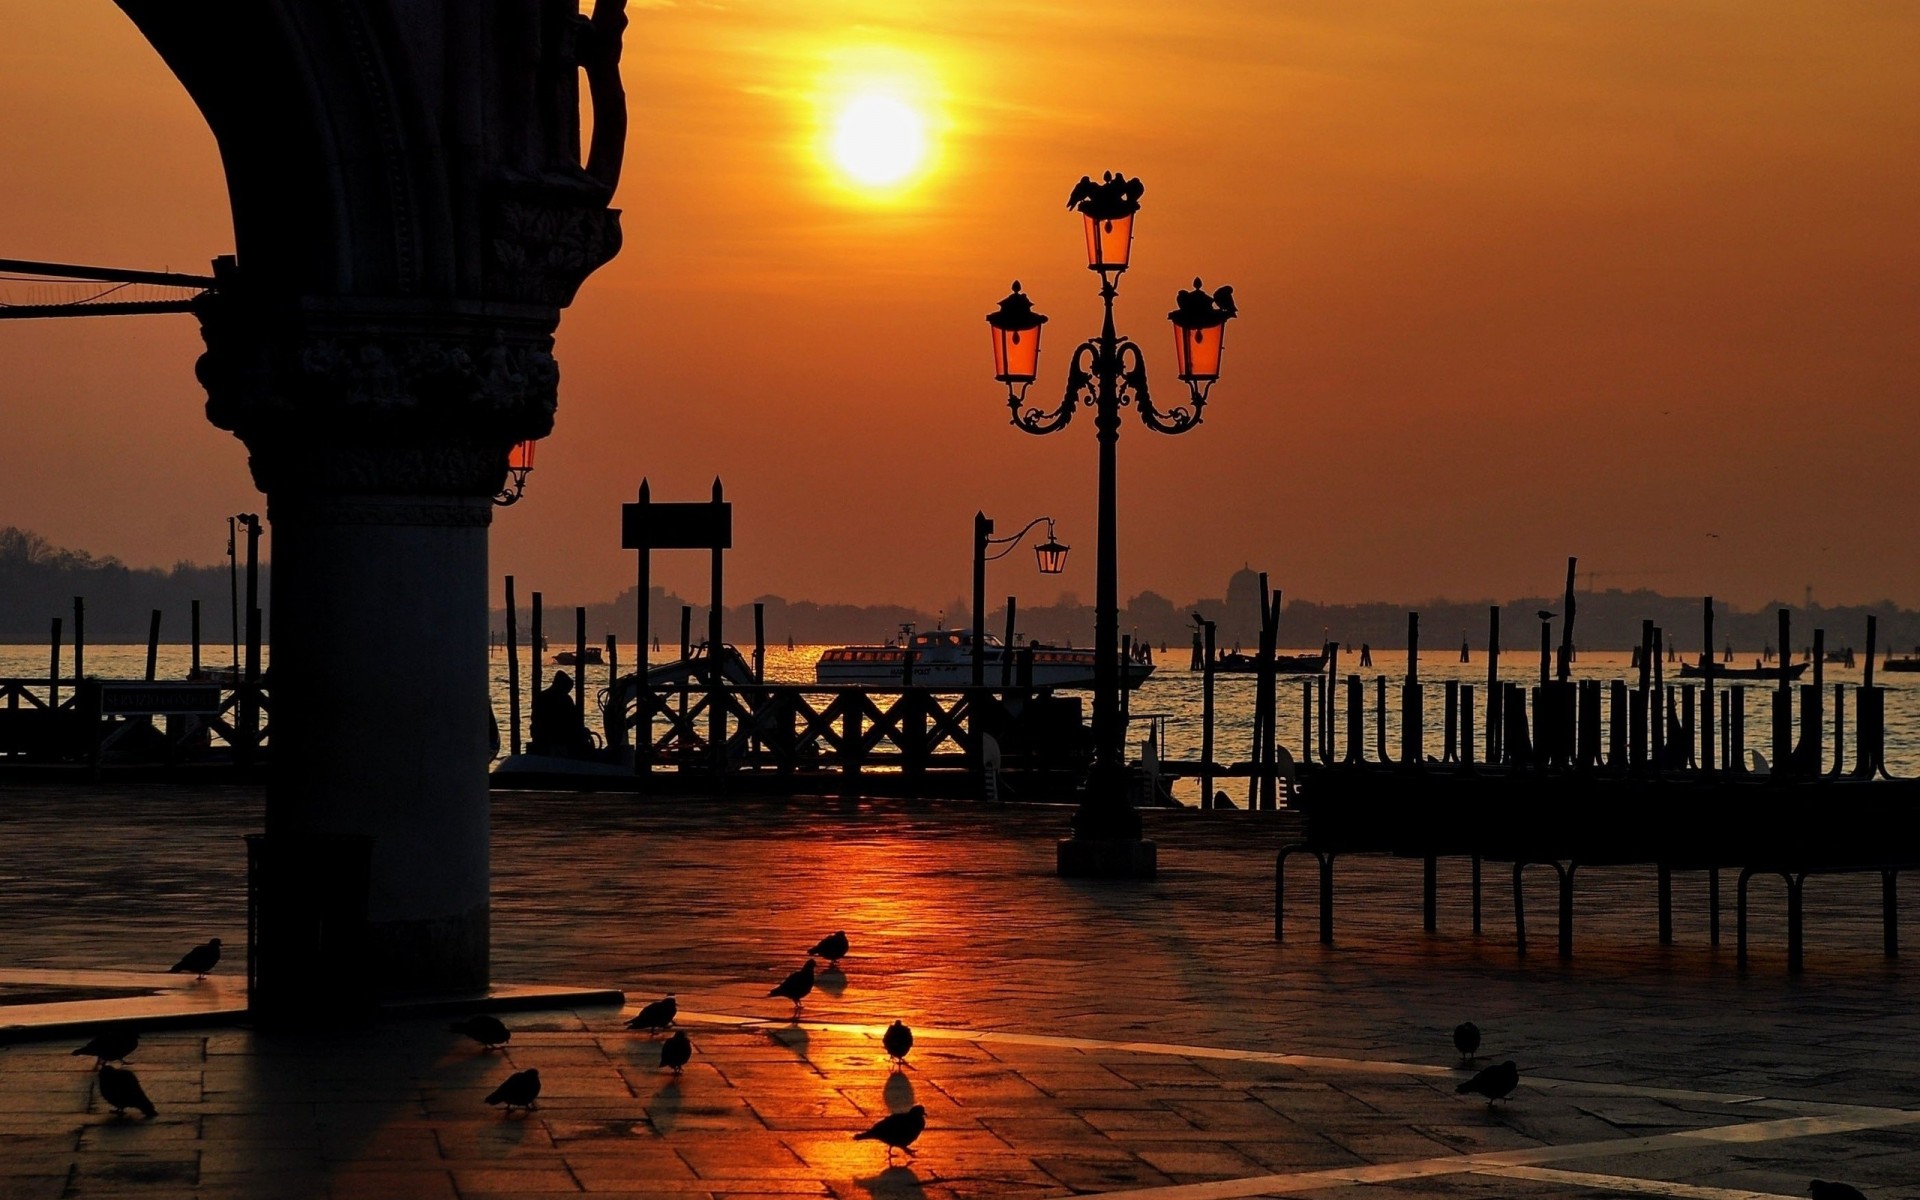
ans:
(1095, 858)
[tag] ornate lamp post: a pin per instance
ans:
(1109, 372)
(1050, 555)
(519, 466)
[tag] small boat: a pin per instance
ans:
(1283, 664)
(944, 658)
(1909, 663)
(1694, 670)
(572, 658)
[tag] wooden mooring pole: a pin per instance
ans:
(513, 672)
(153, 646)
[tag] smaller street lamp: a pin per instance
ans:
(1016, 341)
(519, 466)
(1050, 556)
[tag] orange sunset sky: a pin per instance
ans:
(1517, 280)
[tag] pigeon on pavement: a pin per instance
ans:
(486, 1030)
(897, 1131)
(795, 986)
(1495, 1083)
(1825, 1189)
(121, 1090)
(675, 1051)
(111, 1046)
(833, 947)
(1466, 1039)
(898, 1039)
(519, 1091)
(199, 960)
(656, 1016)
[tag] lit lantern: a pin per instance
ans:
(1052, 555)
(1199, 329)
(1109, 242)
(1016, 340)
(519, 466)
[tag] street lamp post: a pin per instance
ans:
(1109, 372)
(1050, 555)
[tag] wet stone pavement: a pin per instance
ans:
(1072, 1038)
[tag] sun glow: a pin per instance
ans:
(879, 141)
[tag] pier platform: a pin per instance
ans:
(1073, 1038)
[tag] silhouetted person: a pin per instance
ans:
(486, 1030)
(897, 1131)
(897, 1040)
(795, 986)
(121, 1090)
(1466, 1039)
(199, 960)
(676, 1051)
(520, 1090)
(112, 1046)
(557, 728)
(833, 947)
(1366, 655)
(656, 1016)
(1495, 1083)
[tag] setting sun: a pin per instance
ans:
(878, 140)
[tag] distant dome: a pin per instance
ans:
(1243, 597)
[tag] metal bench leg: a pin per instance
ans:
(1476, 895)
(1519, 910)
(1713, 906)
(1430, 898)
(1566, 909)
(1665, 874)
(1326, 897)
(1890, 913)
(1795, 884)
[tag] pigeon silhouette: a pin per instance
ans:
(199, 960)
(1466, 1039)
(112, 1046)
(486, 1030)
(898, 1039)
(898, 1130)
(833, 947)
(795, 986)
(121, 1090)
(656, 1016)
(1826, 1189)
(519, 1091)
(675, 1051)
(1223, 300)
(1544, 615)
(1083, 191)
(1495, 1083)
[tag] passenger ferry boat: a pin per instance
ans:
(944, 658)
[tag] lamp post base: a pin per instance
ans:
(1091, 858)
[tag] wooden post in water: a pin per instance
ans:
(1006, 649)
(716, 649)
(1707, 761)
(1330, 671)
(1566, 625)
(1266, 703)
(642, 631)
(1546, 652)
(1380, 718)
(53, 668)
(1642, 698)
(513, 672)
(153, 646)
(1494, 698)
(1206, 718)
(580, 661)
(537, 675)
(1783, 700)
(1656, 706)
(1873, 630)
(1466, 726)
(759, 641)
(1413, 749)
(193, 672)
(1356, 722)
(79, 638)
(686, 632)
(1813, 717)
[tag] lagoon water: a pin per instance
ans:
(1173, 696)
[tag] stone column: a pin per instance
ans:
(412, 210)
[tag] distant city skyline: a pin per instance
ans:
(1634, 284)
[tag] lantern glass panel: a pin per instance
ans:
(1016, 354)
(1052, 557)
(520, 458)
(1109, 242)
(1198, 351)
